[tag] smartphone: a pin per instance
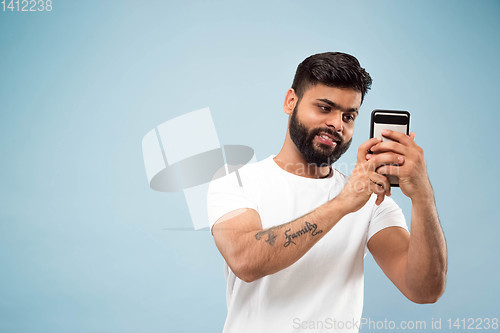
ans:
(395, 120)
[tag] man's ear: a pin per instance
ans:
(291, 100)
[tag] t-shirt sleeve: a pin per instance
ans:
(225, 195)
(387, 214)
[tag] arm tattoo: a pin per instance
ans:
(271, 237)
(309, 227)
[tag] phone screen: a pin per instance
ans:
(393, 120)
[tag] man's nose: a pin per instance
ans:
(335, 120)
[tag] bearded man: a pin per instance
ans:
(294, 231)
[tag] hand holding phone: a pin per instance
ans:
(394, 120)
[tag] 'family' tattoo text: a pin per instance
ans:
(271, 236)
(309, 227)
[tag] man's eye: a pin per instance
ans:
(324, 108)
(348, 118)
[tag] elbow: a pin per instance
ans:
(431, 293)
(426, 299)
(243, 268)
(245, 276)
(245, 264)
(245, 273)
(248, 278)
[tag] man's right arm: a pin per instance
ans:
(252, 252)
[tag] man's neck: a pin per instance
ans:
(294, 162)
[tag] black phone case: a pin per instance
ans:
(372, 122)
(374, 112)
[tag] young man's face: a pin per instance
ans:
(322, 123)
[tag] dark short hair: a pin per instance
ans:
(334, 69)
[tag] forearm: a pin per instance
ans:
(268, 251)
(427, 254)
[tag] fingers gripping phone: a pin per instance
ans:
(398, 121)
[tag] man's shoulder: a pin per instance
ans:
(236, 174)
(257, 168)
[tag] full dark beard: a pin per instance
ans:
(303, 139)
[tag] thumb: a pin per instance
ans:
(365, 147)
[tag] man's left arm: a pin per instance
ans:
(415, 263)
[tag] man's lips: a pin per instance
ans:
(327, 139)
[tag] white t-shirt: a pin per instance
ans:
(323, 290)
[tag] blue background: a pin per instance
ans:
(83, 240)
